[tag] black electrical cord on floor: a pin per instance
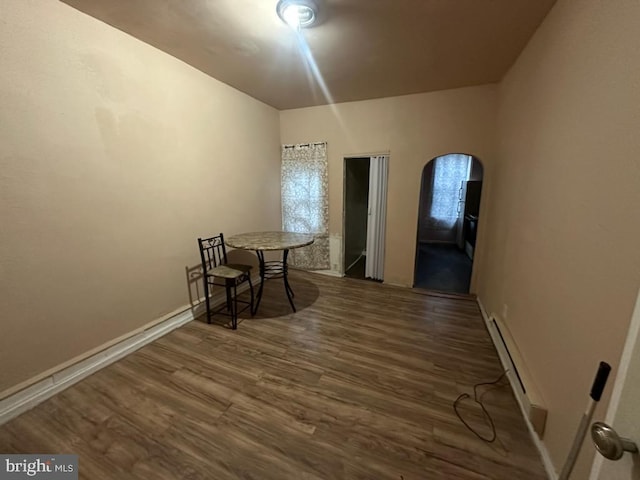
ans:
(484, 410)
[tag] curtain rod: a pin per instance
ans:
(304, 145)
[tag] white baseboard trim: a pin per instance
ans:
(523, 402)
(29, 397)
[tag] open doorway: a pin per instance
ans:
(365, 206)
(356, 198)
(448, 217)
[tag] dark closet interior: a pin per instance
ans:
(356, 198)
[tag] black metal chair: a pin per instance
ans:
(216, 272)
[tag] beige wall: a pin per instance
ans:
(413, 129)
(114, 158)
(564, 215)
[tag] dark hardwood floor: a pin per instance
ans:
(358, 384)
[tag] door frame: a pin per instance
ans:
(344, 198)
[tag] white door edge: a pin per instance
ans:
(625, 359)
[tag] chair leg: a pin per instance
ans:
(229, 298)
(251, 290)
(206, 298)
(234, 311)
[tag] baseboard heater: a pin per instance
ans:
(529, 399)
(513, 364)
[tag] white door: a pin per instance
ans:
(376, 223)
(624, 410)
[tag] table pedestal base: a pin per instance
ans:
(274, 269)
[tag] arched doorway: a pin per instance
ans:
(448, 217)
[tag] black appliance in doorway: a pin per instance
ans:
(468, 210)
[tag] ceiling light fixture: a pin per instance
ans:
(297, 13)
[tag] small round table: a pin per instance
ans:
(269, 241)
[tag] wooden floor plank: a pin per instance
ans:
(358, 384)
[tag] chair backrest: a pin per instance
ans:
(212, 252)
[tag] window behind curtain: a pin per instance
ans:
(305, 201)
(449, 173)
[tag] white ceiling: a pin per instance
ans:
(362, 49)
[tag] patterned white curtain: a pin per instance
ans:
(449, 173)
(305, 202)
